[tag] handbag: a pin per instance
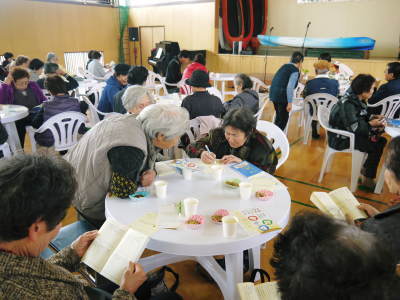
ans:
(263, 275)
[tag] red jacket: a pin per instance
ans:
(189, 71)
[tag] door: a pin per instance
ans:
(149, 36)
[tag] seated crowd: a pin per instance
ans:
(316, 257)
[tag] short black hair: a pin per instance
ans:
(21, 59)
(244, 81)
(199, 58)
(50, 68)
(8, 55)
(90, 54)
(121, 69)
(184, 54)
(96, 54)
(240, 118)
(137, 75)
(394, 68)
(362, 84)
(319, 257)
(297, 57)
(33, 187)
(19, 73)
(36, 64)
(325, 56)
(55, 85)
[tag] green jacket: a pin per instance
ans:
(349, 114)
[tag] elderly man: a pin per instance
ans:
(119, 153)
(136, 98)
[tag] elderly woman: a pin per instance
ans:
(36, 67)
(136, 98)
(23, 92)
(246, 97)
(36, 192)
(237, 140)
(118, 155)
(52, 58)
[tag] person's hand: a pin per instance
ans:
(369, 209)
(133, 278)
(228, 159)
(377, 122)
(207, 157)
(60, 72)
(289, 107)
(147, 177)
(82, 243)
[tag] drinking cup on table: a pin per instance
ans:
(217, 172)
(161, 188)
(245, 190)
(187, 173)
(229, 226)
(190, 205)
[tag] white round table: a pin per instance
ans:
(223, 78)
(183, 244)
(8, 115)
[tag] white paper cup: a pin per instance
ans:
(187, 173)
(216, 171)
(161, 188)
(190, 205)
(229, 226)
(245, 190)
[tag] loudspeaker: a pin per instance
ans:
(133, 34)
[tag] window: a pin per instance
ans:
(85, 2)
(319, 1)
(77, 60)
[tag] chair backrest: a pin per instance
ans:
(263, 103)
(298, 90)
(64, 128)
(257, 84)
(278, 139)
(214, 91)
(151, 83)
(96, 91)
(390, 105)
(5, 148)
(316, 100)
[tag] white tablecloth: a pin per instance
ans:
(8, 115)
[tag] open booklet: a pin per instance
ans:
(115, 245)
(262, 291)
(338, 204)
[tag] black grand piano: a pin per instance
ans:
(163, 53)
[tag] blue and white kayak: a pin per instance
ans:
(355, 43)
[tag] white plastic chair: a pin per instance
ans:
(64, 128)
(187, 89)
(390, 105)
(357, 157)
(261, 110)
(96, 90)
(257, 85)
(278, 139)
(5, 148)
(216, 92)
(315, 100)
(151, 83)
(94, 112)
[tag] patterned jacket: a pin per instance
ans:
(258, 150)
(33, 278)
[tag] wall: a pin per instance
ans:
(192, 25)
(378, 19)
(35, 28)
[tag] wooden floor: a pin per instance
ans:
(300, 173)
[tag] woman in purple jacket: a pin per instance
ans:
(23, 92)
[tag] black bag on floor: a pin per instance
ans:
(263, 274)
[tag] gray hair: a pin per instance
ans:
(50, 56)
(167, 119)
(321, 71)
(132, 96)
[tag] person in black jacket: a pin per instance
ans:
(386, 224)
(54, 69)
(3, 137)
(350, 114)
(174, 74)
(392, 87)
(246, 97)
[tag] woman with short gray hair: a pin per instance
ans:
(135, 98)
(118, 155)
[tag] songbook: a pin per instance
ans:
(112, 250)
(338, 204)
(246, 169)
(262, 291)
(255, 221)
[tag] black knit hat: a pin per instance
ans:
(199, 78)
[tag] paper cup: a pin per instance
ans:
(245, 190)
(229, 226)
(187, 173)
(216, 171)
(190, 205)
(161, 188)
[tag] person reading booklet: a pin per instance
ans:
(339, 204)
(112, 250)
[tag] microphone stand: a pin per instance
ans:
(305, 36)
(266, 53)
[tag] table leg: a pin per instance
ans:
(380, 181)
(158, 260)
(254, 260)
(234, 274)
(13, 138)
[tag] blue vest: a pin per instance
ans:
(277, 92)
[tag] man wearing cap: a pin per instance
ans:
(321, 84)
(201, 103)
